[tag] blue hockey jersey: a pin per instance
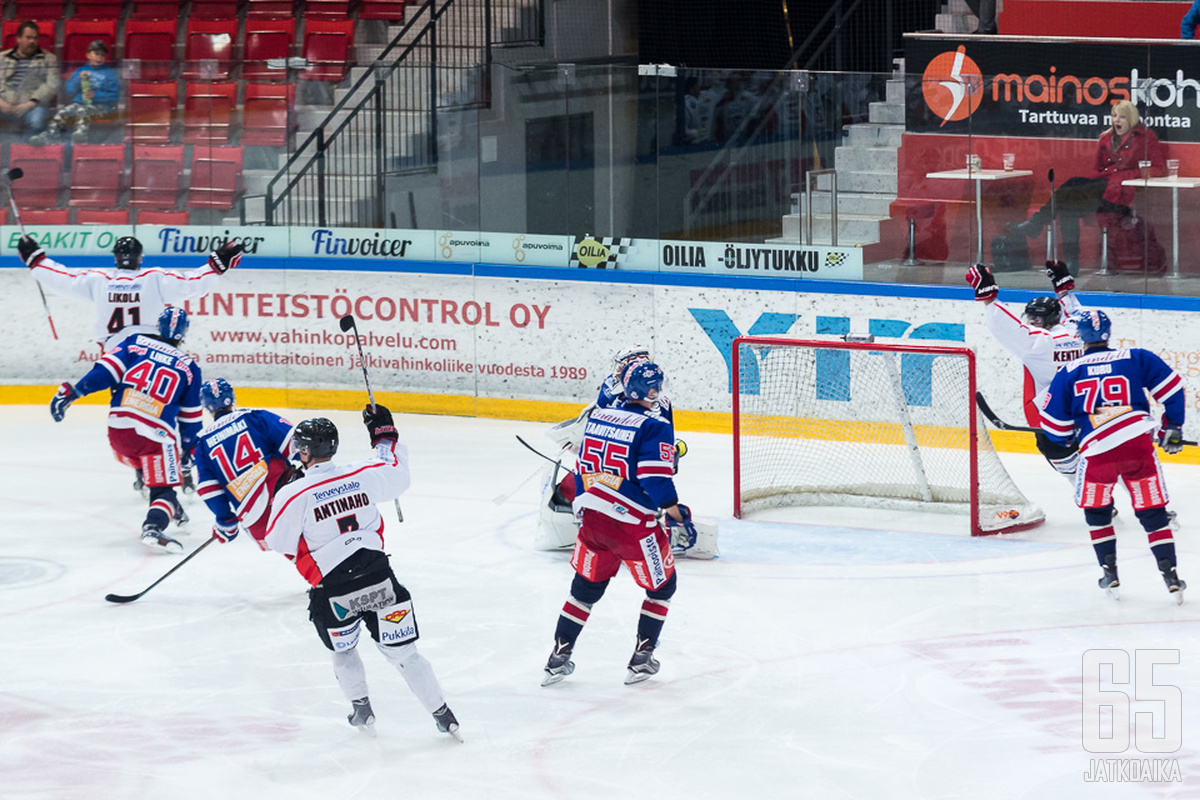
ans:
(626, 463)
(1102, 397)
(233, 456)
(155, 388)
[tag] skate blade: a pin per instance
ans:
(1113, 592)
(453, 731)
(637, 677)
(367, 730)
(552, 678)
(1178, 595)
(170, 547)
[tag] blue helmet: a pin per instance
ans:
(643, 380)
(1093, 327)
(215, 395)
(173, 324)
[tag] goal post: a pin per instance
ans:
(870, 424)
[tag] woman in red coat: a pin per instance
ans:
(1126, 142)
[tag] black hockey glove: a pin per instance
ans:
(30, 251)
(1170, 438)
(981, 280)
(62, 400)
(226, 257)
(379, 425)
(1060, 277)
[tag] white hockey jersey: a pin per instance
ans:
(127, 301)
(1042, 351)
(329, 514)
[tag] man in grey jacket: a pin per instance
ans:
(29, 80)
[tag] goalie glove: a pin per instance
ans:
(62, 400)
(380, 426)
(1170, 437)
(226, 257)
(1060, 277)
(225, 531)
(981, 280)
(30, 251)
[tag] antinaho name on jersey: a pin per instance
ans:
(340, 506)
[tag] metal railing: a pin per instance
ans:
(387, 123)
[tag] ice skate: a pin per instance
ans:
(643, 664)
(560, 664)
(1175, 584)
(1110, 583)
(446, 722)
(154, 538)
(363, 717)
(180, 516)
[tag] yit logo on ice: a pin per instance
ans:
(952, 86)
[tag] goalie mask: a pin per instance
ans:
(127, 252)
(627, 356)
(316, 438)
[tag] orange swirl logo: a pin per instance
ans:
(952, 86)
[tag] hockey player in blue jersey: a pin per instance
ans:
(240, 458)
(624, 481)
(1099, 400)
(155, 389)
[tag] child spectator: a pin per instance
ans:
(94, 89)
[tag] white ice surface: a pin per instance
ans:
(826, 653)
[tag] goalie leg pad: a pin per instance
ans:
(705, 546)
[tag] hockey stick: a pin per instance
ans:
(1053, 214)
(537, 452)
(1004, 426)
(13, 174)
(348, 324)
(129, 598)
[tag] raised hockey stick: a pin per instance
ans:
(1004, 426)
(1053, 214)
(129, 598)
(13, 174)
(348, 324)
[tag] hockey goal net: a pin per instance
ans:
(892, 426)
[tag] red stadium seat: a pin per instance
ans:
(327, 49)
(39, 186)
(208, 112)
(275, 9)
(327, 9)
(208, 49)
(79, 33)
(267, 113)
(96, 175)
(216, 177)
(94, 216)
(213, 9)
(47, 216)
(265, 39)
(152, 43)
(391, 10)
(38, 10)
(98, 9)
(150, 217)
(149, 112)
(156, 9)
(154, 176)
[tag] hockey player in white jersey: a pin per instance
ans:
(327, 524)
(1042, 340)
(128, 299)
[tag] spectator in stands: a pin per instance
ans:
(1191, 20)
(94, 89)
(1126, 142)
(28, 80)
(986, 11)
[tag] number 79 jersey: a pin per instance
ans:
(233, 457)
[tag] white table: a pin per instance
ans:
(979, 176)
(1174, 184)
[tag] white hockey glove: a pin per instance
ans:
(225, 531)
(570, 432)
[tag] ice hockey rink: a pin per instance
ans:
(826, 653)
